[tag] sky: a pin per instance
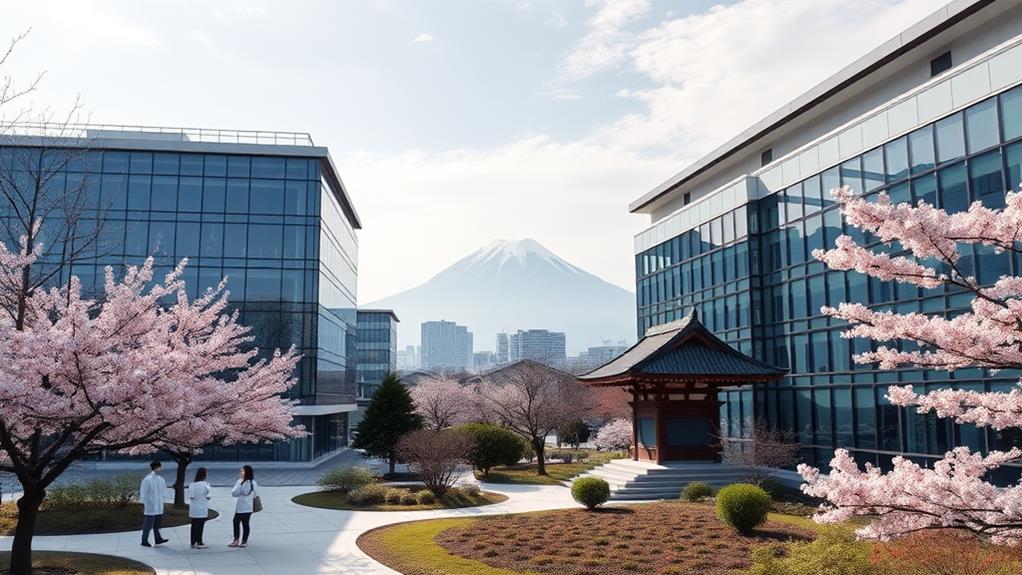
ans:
(454, 123)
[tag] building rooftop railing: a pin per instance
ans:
(176, 134)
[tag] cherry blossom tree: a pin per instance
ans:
(951, 494)
(142, 368)
(616, 434)
(533, 400)
(443, 402)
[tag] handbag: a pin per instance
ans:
(257, 503)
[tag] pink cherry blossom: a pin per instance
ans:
(616, 434)
(443, 402)
(952, 493)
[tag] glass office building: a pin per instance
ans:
(740, 254)
(270, 215)
(377, 349)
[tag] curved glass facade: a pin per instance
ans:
(751, 276)
(270, 224)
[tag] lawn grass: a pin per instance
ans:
(656, 538)
(79, 564)
(91, 519)
(453, 500)
(557, 473)
(410, 548)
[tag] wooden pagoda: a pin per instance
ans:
(673, 374)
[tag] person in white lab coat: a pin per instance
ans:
(198, 506)
(151, 494)
(245, 490)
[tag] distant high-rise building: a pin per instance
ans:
(483, 360)
(539, 345)
(376, 342)
(595, 356)
(408, 358)
(446, 346)
(503, 354)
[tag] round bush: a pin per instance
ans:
(346, 479)
(425, 497)
(590, 491)
(369, 494)
(409, 498)
(492, 445)
(696, 490)
(471, 490)
(742, 506)
(394, 496)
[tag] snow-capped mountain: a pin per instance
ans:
(517, 284)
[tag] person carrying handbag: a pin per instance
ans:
(246, 494)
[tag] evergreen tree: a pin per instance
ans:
(390, 415)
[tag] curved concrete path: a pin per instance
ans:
(288, 538)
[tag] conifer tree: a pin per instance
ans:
(390, 415)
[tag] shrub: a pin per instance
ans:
(492, 445)
(394, 495)
(471, 490)
(774, 488)
(573, 433)
(946, 551)
(742, 506)
(590, 491)
(834, 552)
(370, 494)
(697, 490)
(425, 497)
(567, 456)
(347, 479)
(409, 498)
(434, 456)
(119, 491)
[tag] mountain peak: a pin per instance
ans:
(502, 252)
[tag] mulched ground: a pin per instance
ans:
(93, 518)
(660, 538)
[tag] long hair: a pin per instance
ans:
(249, 475)
(200, 474)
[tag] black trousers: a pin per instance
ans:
(241, 521)
(197, 526)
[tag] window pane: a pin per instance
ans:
(851, 175)
(237, 166)
(191, 164)
(139, 192)
(161, 238)
(985, 179)
(796, 246)
(294, 242)
(215, 166)
(981, 125)
(213, 194)
(187, 240)
(296, 168)
(267, 167)
(141, 163)
(262, 285)
(925, 189)
(900, 193)
(190, 194)
(896, 154)
(1013, 165)
(798, 298)
(264, 241)
(165, 163)
(920, 144)
(267, 197)
(1011, 111)
(950, 138)
(865, 418)
(115, 162)
(873, 169)
(212, 239)
(953, 194)
(294, 197)
(113, 192)
(234, 240)
(237, 196)
(164, 196)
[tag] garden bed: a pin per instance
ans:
(454, 499)
(657, 538)
(64, 563)
(91, 518)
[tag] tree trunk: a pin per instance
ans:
(179, 480)
(538, 445)
(393, 463)
(28, 513)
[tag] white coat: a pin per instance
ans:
(151, 494)
(198, 500)
(244, 493)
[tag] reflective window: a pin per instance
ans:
(267, 167)
(237, 196)
(234, 240)
(981, 126)
(212, 239)
(139, 192)
(214, 193)
(920, 145)
(954, 196)
(191, 164)
(141, 162)
(266, 197)
(165, 163)
(1011, 113)
(873, 169)
(262, 284)
(164, 196)
(237, 166)
(264, 241)
(187, 240)
(1013, 165)
(851, 175)
(215, 166)
(985, 179)
(950, 138)
(161, 238)
(924, 189)
(896, 156)
(190, 194)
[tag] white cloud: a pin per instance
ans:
(422, 39)
(200, 36)
(606, 43)
(556, 20)
(560, 94)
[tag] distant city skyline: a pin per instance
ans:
(606, 99)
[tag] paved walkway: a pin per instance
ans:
(288, 538)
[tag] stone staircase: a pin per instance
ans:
(644, 481)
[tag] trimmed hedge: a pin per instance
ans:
(743, 506)
(590, 491)
(696, 490)
(347, 479)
